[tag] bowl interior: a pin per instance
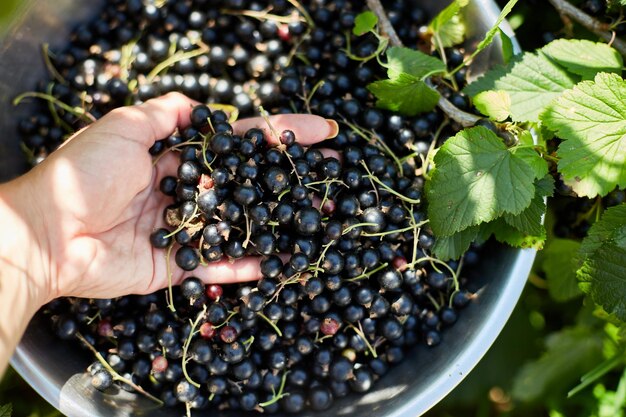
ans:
(410, 389)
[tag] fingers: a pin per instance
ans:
(150, 121)
(230, 272)
(309, 129)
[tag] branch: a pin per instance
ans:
(385, 25)
(593, 25)
(463, 118)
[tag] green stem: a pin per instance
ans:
(392, 191)
(368, 274)
(76, 111)
(170, 291)
(114, 374)
(280, 393)
(51, 68)
(172, 60)
(271, 323)
(192, 333)
(359, 331)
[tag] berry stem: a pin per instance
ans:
(354, 226)
(317, 268)
(368, 274)
(378, 141)
(230, 316)
(50, 66)
(114, 374)
(271, 323)
(76, 111)
(303, 12)
(439, 262)
(391, 190)
(184, 222)
(414, 227)
(280, 394)
(176, 57)
(359, 331)
(265, 15)
(55, 114)
(192, 333)
(169, 296)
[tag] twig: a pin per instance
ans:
(385, 25)
(463, 118)
(114, 374)
(589, 23)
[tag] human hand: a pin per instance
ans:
(96, 202)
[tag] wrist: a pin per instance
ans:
(23, 247)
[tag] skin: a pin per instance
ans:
(78, 224)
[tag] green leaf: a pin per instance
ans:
(452, 247)
(507, 47)
(591, 120)
(569, 354)
(603, 252)
(612, 226)
(405, 94)
(494, 104)
(584, 57)
(559, 265)
(409, 61)
(505, 233)
(364, 22)
(533, 83)
(533, 159)
(488, 80)
(528, 221)
(448, 28)
(6, 410)
(603, 277)
(476, 179)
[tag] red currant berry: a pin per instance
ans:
(399, 262)
(329, 326)
(159, 364)
(214, 291)
(207, 331)
(104, 328)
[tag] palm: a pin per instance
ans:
(102, 186)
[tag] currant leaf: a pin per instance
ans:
(448, 27)
(528, 222)
(494, 104)
(452, 247)
(364, 22)
(612, 226)
(603, 252)
(591, 120)
(560, 264)
(583, 57)
(476, 179)
(603, 277)
(409, 61)
(532, 84)
(405, 94)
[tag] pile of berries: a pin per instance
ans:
(348, 285)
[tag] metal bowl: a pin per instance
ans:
(423, 379)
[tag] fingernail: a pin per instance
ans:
(334, 129)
